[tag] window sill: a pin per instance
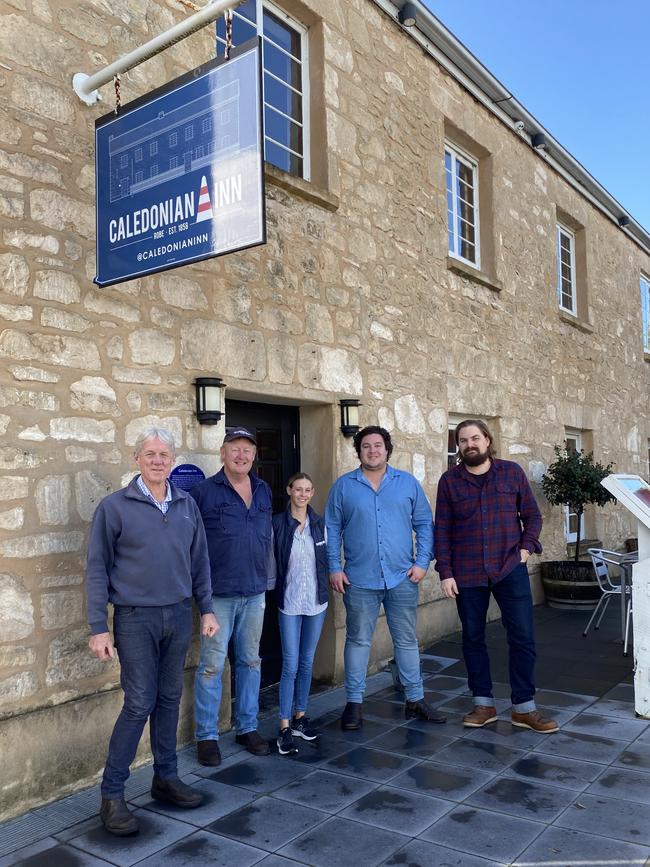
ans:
(580, 324)
(646, 356)
(300, 187)
(474, 274)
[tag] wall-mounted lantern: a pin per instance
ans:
(349, 416)
(209, 399)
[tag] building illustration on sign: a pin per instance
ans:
(176, 142)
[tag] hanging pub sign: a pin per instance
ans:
(180, 171)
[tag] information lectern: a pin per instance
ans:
(634, 493)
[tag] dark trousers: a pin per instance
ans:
(152, 644)
(515, 600)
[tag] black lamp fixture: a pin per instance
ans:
(209, 399)
(539, 142)
(624, 221)
(408, 15)
(349, 416)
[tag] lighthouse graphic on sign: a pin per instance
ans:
(205, 206)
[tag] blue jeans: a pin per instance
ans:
(152, 644)
(299, 634)
(241, 617)
(362, 610)
(515, 600)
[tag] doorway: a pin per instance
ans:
(276, 430)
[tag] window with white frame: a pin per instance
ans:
(566, 269)
(462, 205)
(573, 443)
(285, 81)
(645, 309)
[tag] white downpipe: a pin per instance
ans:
(86, 86)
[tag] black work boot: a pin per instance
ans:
(208, 753)
(351, 718)
(117, 818)
(422, 710)
(175, 792)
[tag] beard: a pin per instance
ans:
(474, 457)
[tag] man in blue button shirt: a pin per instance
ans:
(374, 511)
(236, 508)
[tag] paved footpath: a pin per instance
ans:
(403, 793)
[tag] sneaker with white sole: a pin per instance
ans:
(300, 728)
(286, 746)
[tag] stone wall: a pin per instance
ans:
(353, 295)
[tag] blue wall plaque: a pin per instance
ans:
(180, 171)
(185, 476)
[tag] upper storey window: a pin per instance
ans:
(462, 205)
(566, 269)
(645, 307)
(285, 83)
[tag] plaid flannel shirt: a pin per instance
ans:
(481, 526)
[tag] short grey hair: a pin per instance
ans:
(159, 433)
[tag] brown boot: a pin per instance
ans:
(535, 721)
(117, 818)
(480, 716)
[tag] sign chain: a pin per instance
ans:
(118, 95)
(190, 5)
(228, 17)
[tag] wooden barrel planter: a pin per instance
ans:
(568, 584)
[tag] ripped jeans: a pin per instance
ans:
(240, 617)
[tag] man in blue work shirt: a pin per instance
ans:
(374, 511)
(236, 507)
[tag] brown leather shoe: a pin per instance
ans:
(117, 818)
(535, 721)
(480, 716)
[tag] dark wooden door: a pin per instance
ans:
(276, 431)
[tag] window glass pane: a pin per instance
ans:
(283, 159)
(282, 98)
(282, 34)
(282, 66)
(448, 161)
(282, 130)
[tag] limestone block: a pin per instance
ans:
(276, 319)
(14, 274)
(4, 423)
(19, 459)
(59, 211)
(149, 346)
(41, 544)
(57, 286)
(41, 97)
(331, 86)
(28, 44)
(394, 82)
(171, 423)
(115, 348)
(342, 135)
(89, 489)
(318, 323)
(377, 329)
(18, 686)
(419, 467)
(107, 306)
(85, 430)
(330, 369)
(52, 497)
(73, 250)
(52, 317)
(10, 396)
(386, 418)
(69, 659)
(50, 349)
(223, 349)
(12, 207)
(13, 487)
(281, 358)
(16, 609)
(79, 455)
(536, 471)
(136, 375)
(408, 415)
(437, 419)
(16, 656)
(170, 401)
(337, 49)
(16, 312)
(34, 374)
(163, 317)
(12, 519)
(134, 401)
(61, 609)
(33, 434)
(49, 581)
(179, 292)
(92, 394)
(21, 238)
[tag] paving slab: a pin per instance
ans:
(397, 810)
(344, 843)
(205, 848)
(268, 823)
(558, 846)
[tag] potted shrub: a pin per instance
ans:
(573, 480)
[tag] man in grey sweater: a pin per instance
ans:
(148, 556)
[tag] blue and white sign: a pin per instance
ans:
(180, 171)
(186, 476)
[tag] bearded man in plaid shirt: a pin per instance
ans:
(487, 526)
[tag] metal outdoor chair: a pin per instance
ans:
(603, 560)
